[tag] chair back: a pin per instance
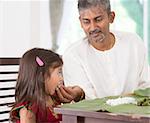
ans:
(8, 74)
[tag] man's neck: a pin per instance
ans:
(107, 44)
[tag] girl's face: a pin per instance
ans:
(56, 79)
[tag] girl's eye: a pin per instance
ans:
(60, 73)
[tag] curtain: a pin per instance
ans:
(56, 12)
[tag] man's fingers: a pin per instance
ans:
(68, 90)
(61, 96)
(65, 93)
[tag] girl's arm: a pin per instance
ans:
(27, 116)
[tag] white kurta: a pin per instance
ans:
(116, 71)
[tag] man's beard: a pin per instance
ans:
(96, 36)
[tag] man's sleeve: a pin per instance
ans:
(74, 74)
(145, 72)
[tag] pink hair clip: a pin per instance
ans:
(39, 61)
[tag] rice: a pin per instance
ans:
(121, 100)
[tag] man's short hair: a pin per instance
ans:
(85, 4)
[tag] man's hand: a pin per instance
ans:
(68, 94)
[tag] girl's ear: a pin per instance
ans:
(111, 17)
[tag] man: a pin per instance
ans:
(105, 63)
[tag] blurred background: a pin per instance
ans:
(54, 24)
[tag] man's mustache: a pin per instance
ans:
(94, 31)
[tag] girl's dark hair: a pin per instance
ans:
(30, 85)
(85, 4)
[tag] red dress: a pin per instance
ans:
(41, 116)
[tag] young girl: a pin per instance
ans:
(40, 73)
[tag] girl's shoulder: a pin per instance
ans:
(14, 113)
(23, 113)
(33, 112)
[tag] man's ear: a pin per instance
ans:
(80, 21)
(111, 17)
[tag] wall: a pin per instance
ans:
(23, 25)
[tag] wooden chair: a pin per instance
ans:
(8, 75)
